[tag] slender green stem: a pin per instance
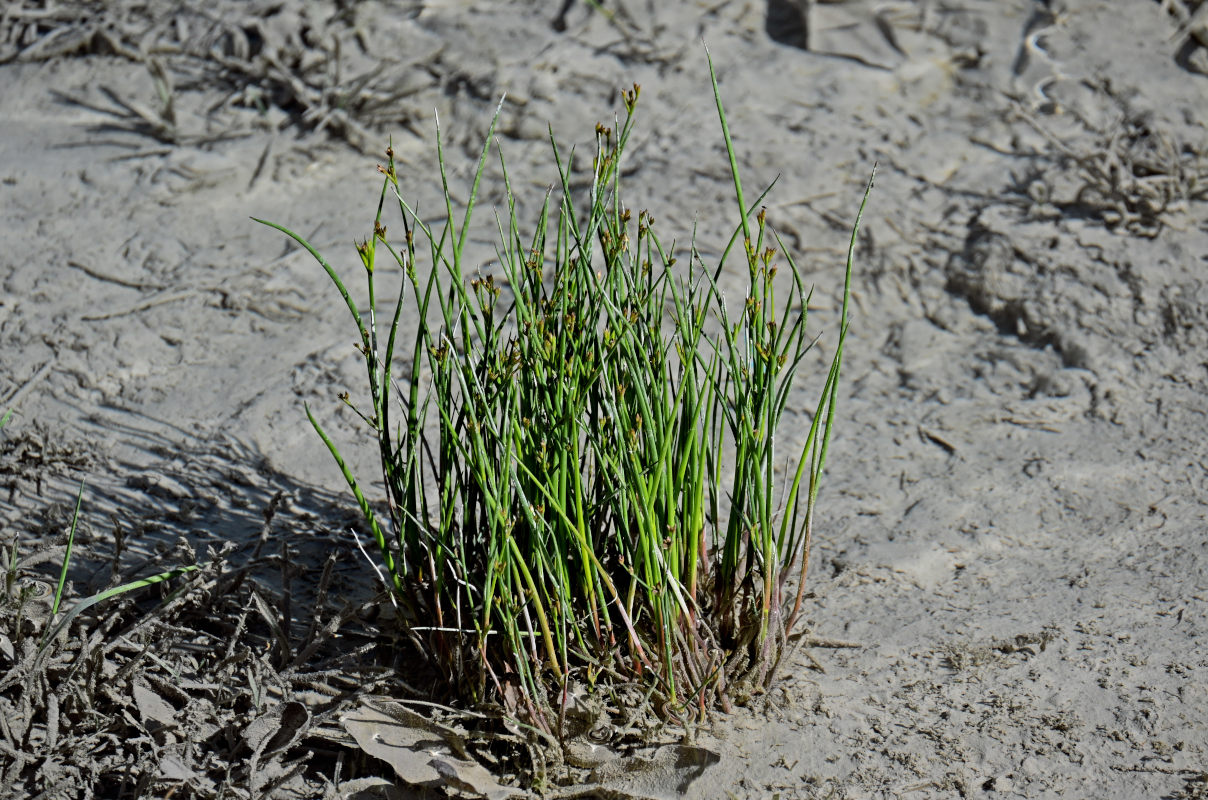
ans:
(562, 511)
(75, 519)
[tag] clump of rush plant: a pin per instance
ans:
(581, 476)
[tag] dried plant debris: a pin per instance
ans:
(326, 66)
(1002, 652)
(37, 453)
(1194, 788)
(188, 694)
(420, 751)
(1133, 174)
(37, 449)
(1191, 33)
(457, 753)
(216, 685)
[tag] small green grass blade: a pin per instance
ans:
(75, 518)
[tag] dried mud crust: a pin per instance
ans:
(1015, 526)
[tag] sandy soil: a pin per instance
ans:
(1013, 523)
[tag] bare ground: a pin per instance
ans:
(1013, 525)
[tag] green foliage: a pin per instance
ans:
(580, 475)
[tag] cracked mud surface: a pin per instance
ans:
(1013, 522)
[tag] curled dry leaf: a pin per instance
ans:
(421, 752)
(667, 772)
(660, 773)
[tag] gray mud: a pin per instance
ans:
(1012, 527)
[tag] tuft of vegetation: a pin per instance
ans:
(581, 473)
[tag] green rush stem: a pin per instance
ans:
(557, 458)
(830, 393)
(75, 518)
